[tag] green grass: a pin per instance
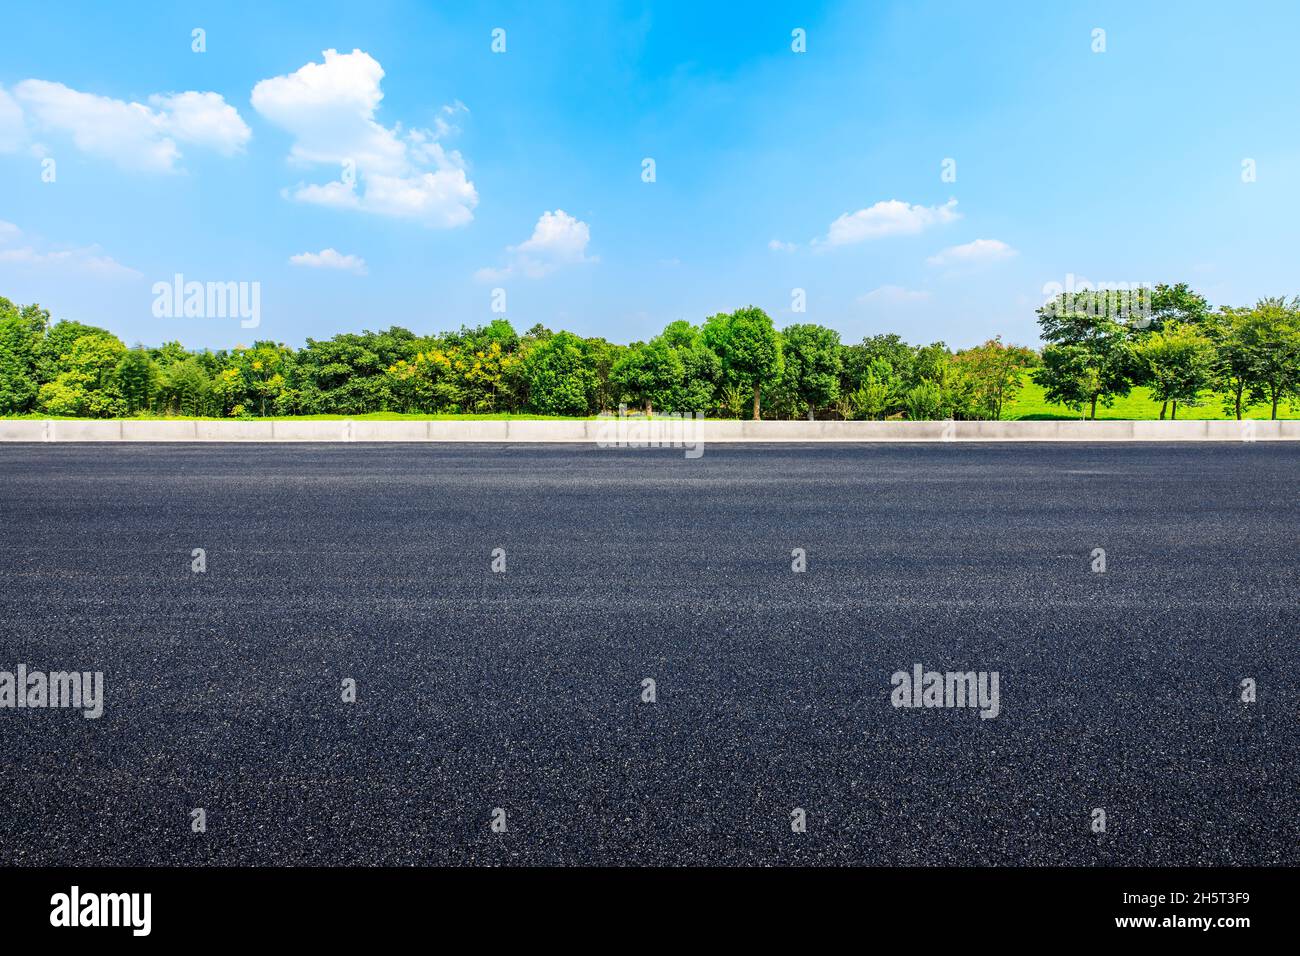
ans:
(368, 417)
(1137, 405)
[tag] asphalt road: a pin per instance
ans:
(522, 690)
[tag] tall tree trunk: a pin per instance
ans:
(810, 413)
(1093, 416)
(1239, 388)
(756, 386)
(1163, 406)
(1174, 416)
(1275, 398)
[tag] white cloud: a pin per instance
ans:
(891, 217)
(133, 135)
(444, 122)
(330, 259)
(329, 109)
(558, 240)
(892, 295)
(203, 119)
(340, 194)
(977, 253)
(776, 245)
(88, 259)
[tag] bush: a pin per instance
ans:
(924, 402)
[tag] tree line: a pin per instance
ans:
(737, 364)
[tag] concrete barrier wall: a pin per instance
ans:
(604, 430)
(24, 430)
(312, 431)
(548, 431)
(159, 431)
(234, 431)
(469, 431)
(390, 431)
(84, 431)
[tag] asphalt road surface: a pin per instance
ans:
(1119, 691)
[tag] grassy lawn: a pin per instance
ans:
(1030, 405)
(368, 417)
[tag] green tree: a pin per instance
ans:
(230, 391)
(924, 401)
(691, 370)
(499, 330)
(701, 372)
(929, 363)
(731, 400)
(137, 380)
(485, 373)
(1174, 303)
(648, 373)
(87, 383)
(185, 388)
(748, 346)
(1231, 330)
(680, 334)
(262, 375)
(880, 392)
(604, 356)
(877, 371)
(22, 330)
(1272, 333)
(934, 364)
(561, 378)
(812, 365)
(429, 382)
(995, 373)
(1152, 309)
(57, 344)
(348, 374)
(168, 353)
(1089, 357)
(865, 356)
(17, 381)
(1179, 358)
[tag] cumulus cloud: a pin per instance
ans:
(329, 109)
(891, 217)
(133, 135)
(977, 253)
(89, 260)
(776, 245)
(202, 119)
(558, 240)
(330, 259)
(892, 295)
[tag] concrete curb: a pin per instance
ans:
(638, 433)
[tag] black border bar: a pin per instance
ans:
(365, 904)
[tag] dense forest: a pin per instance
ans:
(1095, 348)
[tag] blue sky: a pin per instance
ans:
(774, 170)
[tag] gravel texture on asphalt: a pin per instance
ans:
(523, 690)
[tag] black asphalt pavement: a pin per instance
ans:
(522, 690)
